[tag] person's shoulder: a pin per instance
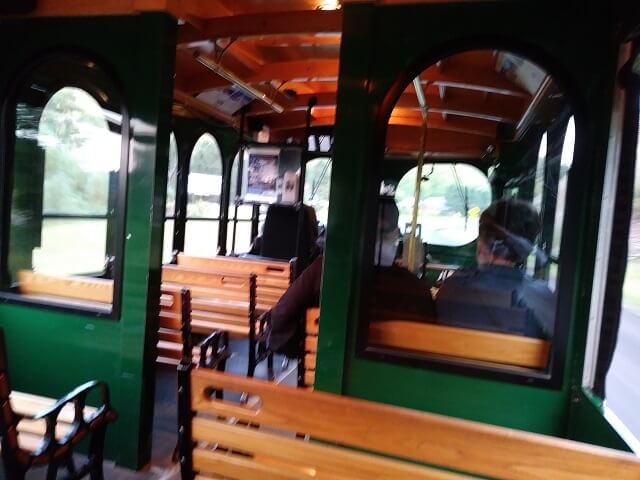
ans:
(462, 275)
(537, 285)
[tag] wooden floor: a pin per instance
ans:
(165, 419)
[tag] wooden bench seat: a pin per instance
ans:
(219, 301)
(37, 430)
(464, 343)
(273, 277)
(31, 433)
(85, 290)
(282, 432)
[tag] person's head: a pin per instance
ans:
(507, 233)
(387, 232)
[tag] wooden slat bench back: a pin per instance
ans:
(346, 426)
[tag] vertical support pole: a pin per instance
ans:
(255, 221)
(180, 214)
(252, 326)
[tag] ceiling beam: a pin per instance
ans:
(292, 40)
(406, 140)
(261, 24)
(282, 71)
(326, 117)
(469, 79)
(504, 109)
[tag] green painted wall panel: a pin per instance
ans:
(52, 351)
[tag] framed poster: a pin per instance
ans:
(260, 178)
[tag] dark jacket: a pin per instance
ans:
(286, 316)
(497, 298)
(396, 295)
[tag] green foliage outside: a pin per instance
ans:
(80, 150)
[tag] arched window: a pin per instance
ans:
(65, 202)
(472, 277)
(452, 196)
(203, 204)
(317, 183)
(170, 210)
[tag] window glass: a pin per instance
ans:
(172, 177)
(317, 183)
(621, 388)
(566, 160)
(478, 261)
(167, 245)
(201, 238)
(243, 237)
(205, 179)
(538, 186)
(64, 199)
(71, 246)
(451, 199)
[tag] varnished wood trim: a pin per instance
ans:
(461, 342)
(424, 437)
(74, 287)
(325, 461)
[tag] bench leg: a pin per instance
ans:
(96, 453)
(252, 357)
(52, 471)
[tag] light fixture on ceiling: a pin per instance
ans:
(230, 77)
(328, 5)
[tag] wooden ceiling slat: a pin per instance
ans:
(292, 40)
(406, 140)
(495, 109)
(274, 71)
(326, 117)
(257, 25)
(469, 79)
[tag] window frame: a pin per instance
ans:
(176, 205)
(83, 71)
(554, 375)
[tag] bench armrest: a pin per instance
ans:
(214, 351)
(78, 397)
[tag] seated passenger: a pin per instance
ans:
(392, 288)
(498, 295)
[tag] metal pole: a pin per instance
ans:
(424, 110)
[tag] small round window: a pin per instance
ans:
(452, 197)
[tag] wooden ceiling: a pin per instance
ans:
(287, 51)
